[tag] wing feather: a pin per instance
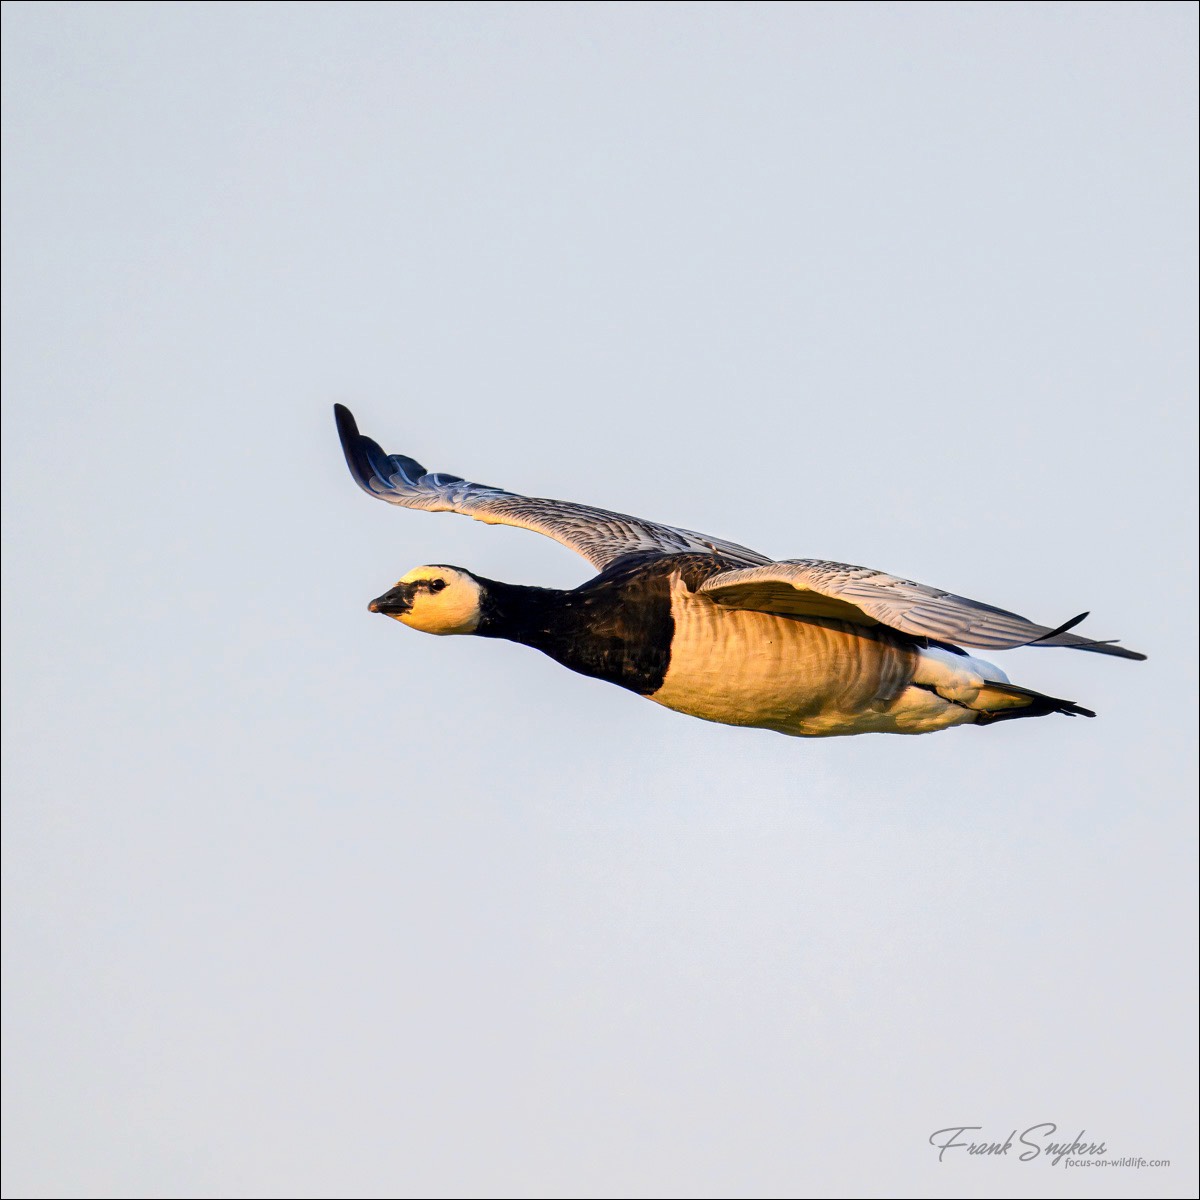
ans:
(812, 587)
(600, 536)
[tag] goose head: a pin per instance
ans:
(434, 599)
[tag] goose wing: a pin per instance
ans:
(600, 536)
(810, 587)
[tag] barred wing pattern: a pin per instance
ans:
(811, 587)
(600, 536)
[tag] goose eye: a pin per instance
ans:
(436, 585)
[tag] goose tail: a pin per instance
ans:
(984, 688)
(1005, 702)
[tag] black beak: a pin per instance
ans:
(393, 603)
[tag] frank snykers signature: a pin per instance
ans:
(1029, 1144)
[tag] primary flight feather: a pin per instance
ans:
(716, 630)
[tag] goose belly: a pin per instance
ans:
(805, 677)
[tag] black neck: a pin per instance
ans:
(618, 629)
(523, 614)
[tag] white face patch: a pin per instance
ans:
(445, 600)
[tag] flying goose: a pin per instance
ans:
(713, 629)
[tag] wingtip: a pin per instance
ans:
(1111, 648)
(352, 446)
(1055, 637)
(1117, 651)
(1063, 628)
(347, 426)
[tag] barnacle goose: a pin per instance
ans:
(712, 629)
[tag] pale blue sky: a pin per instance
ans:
(300, 902)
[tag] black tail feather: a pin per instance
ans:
(1038, 706)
